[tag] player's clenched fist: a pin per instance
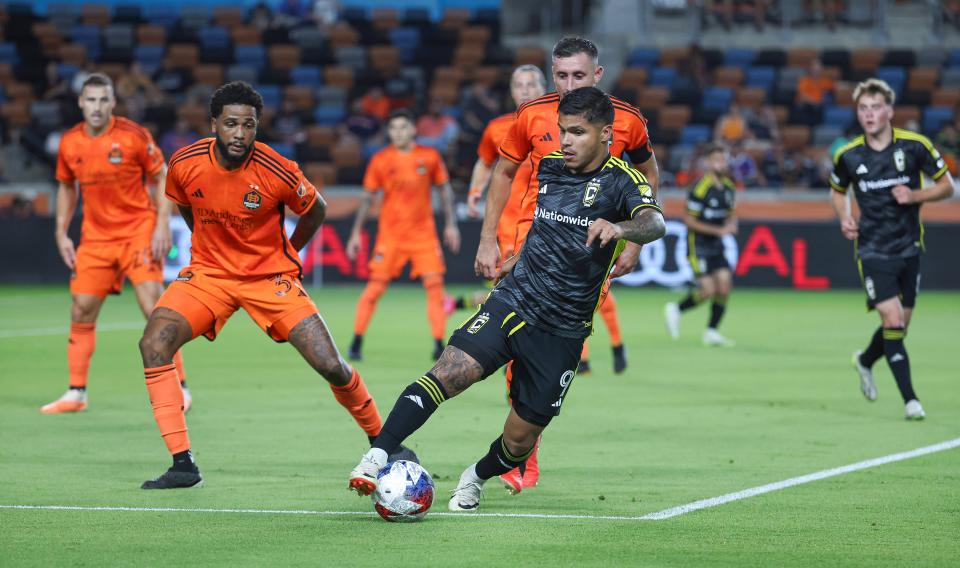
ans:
(849, 227)
(605, 231)
(488, 259)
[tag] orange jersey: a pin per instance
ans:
(535, 134)
(406, 179)
(488, 152)
(238, 214)
(111, 170)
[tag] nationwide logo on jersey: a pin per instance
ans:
(252, 200)
(115, 156)
(900, 160)
(862, 170)
(478, 323)
(590, 193)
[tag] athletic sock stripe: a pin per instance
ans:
(511, 457)
(431, 389)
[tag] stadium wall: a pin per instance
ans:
(767, 254)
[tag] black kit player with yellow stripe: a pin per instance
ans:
(884, 169)
(539, 314)
(709, 216)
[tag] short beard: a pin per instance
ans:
(224, 151)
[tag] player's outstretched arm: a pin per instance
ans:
(942, 189)
(646, 226)
(187, 213)
(161, 242)
(353, 245)
(451, 232)
(66, 205)
(309, 222)
(488, 255)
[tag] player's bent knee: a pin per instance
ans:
(335, 370)
(85, 308)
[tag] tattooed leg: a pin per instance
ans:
(165, 333)
(313, 340)
(456, 371)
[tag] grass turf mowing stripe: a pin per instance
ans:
(62, 330)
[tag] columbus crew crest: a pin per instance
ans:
(115, 156)
(590, 193)
(900, 160)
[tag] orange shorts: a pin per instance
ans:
(102, 267)
(391, 256)
(276, 303)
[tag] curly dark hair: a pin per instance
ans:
(235, 93)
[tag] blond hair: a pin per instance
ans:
(874, 86)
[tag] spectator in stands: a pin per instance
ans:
(137, 91)
(948, 142)
(731, 128)
(360, 124)
(478, 107)
(812, 92)
(292, 12)
(376, 104)
(693, 67)
(261, 17)
(744, 168)
(826, 10)
(326, 13)
(762, 123)
(436, 128)
(179, 137)
(724, 11)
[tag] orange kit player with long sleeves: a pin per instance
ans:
(111, 162)
(233, 193)
(405, 172)
(535, 134)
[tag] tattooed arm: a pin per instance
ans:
(646, 226)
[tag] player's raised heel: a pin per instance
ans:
(363, 478)
(172, 479)
(72, 401)
(914, 411)
(867, 386)
(466, 497)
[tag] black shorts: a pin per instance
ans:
(707, 264)
(544, 364)
(885, 279)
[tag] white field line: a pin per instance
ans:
(658, 516)
(64, 330)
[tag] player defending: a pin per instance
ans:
(405, 172)
(125, 232)
(708, 218)
(533, 135)
(885, 167)
(541, 312)
(233, 192)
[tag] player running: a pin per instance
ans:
(405, 172)
(233, 193)
(708, 218)
(541, 312)
(113, 162)
(885, 167)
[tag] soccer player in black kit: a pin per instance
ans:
(541, 311)
(708, 218)
(884, 168)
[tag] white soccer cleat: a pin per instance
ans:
(72, 401)
(867, 386)
(363, 478)
(712, 338)
(671, 315)
(187, 398)
(914, 411)
(466, 497)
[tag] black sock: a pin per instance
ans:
(414, 407)
(461, 303)
(357, 343)
(898, 360)
(183, 461)
(689, 302)
(873, 351)
(717, 309)
(79, 389)
(499, 461)
(438, 344)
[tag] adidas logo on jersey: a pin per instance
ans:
(546, 138)
(416, 399)
(198, 193)
(543, 188)
(861, 170)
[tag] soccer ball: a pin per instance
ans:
(404, 492)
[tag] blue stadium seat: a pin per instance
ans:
(407, 40)
(329, 115)
(954, 60)
(250, 55)
(89, 37)
(243, 73)
(214, 37)
(934, 117)
(662, 77)
(148, 55)
(3, 95)
(738, 57)
(762, 77)
(288, 151)
(643, 57)
(416, 16)
(838, 116)
(160, 14)
(693, 134)
(8, 54)
(896, 77)
(66, 71)
(306, 76)
(717, 98)
(270, 94)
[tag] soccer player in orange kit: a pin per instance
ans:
(535, 134)
(111, 161)
(405, 172)
(233, 193)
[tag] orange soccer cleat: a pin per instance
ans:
(72, 401)
(513, 481)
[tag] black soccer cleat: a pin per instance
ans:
(438, 350)
(583, 367)
(355, 352)
(619, 359)
(403, 453)
(172, 479)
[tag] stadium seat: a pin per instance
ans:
(945, 98)
(148, 56)
(329, 115)
(148, 34)
(751, 97)
(907, 116)
(530, 56)
(306, 76)
(933, 119)
(95, 15)
(270, 94)
(954, 59)
(931, 57)
(283, 56)
(195, 16)
(342, 77)
(249, 55)
(950, 78)
(841, 116)
(801, 56)
(663, 77)
(896, 77)
(795, 138)
(762, 77)
(770, 58)
(717, 98)
(74, 54)
(653, 97)
(899, 58)
(241, 72)
(866, 59)
(416, 16)
(923, 79)
(208, 74)
(183, 55)
(228, 17)
(8, 54)
(825, 134)
(693, 134)
(284, 149)
(353, 56)
(89, 37)
(643, 57)
(330, 95)
(321, 136)
(214, 37)
(127, 14)
(384, 18)
(63, 15)
(738, 57)
(728, 77)
(160, 14)
(245, 35)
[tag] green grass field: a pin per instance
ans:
(684, 423)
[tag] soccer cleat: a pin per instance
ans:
(449, 305)
(512, 481)
(531, 474)
(438, 351)
(583, 367)
(355, 354)
(72, 401)
(363, 478)
(172, 479)
(671, 315)
(619, 359)
(403, 453)
(466, 497)
(712, 338)
(867, 386)
(914, 411)
(187, 398)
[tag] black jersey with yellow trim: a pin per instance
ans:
(887, 229)
(710, 200)
(556, 283)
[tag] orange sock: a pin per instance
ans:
(80, 346)
(367, 304)
(433, 285)
(163, 384)
(178, 361)
(355, 397)
(608, 310)
(509, 377)
(585, 353)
